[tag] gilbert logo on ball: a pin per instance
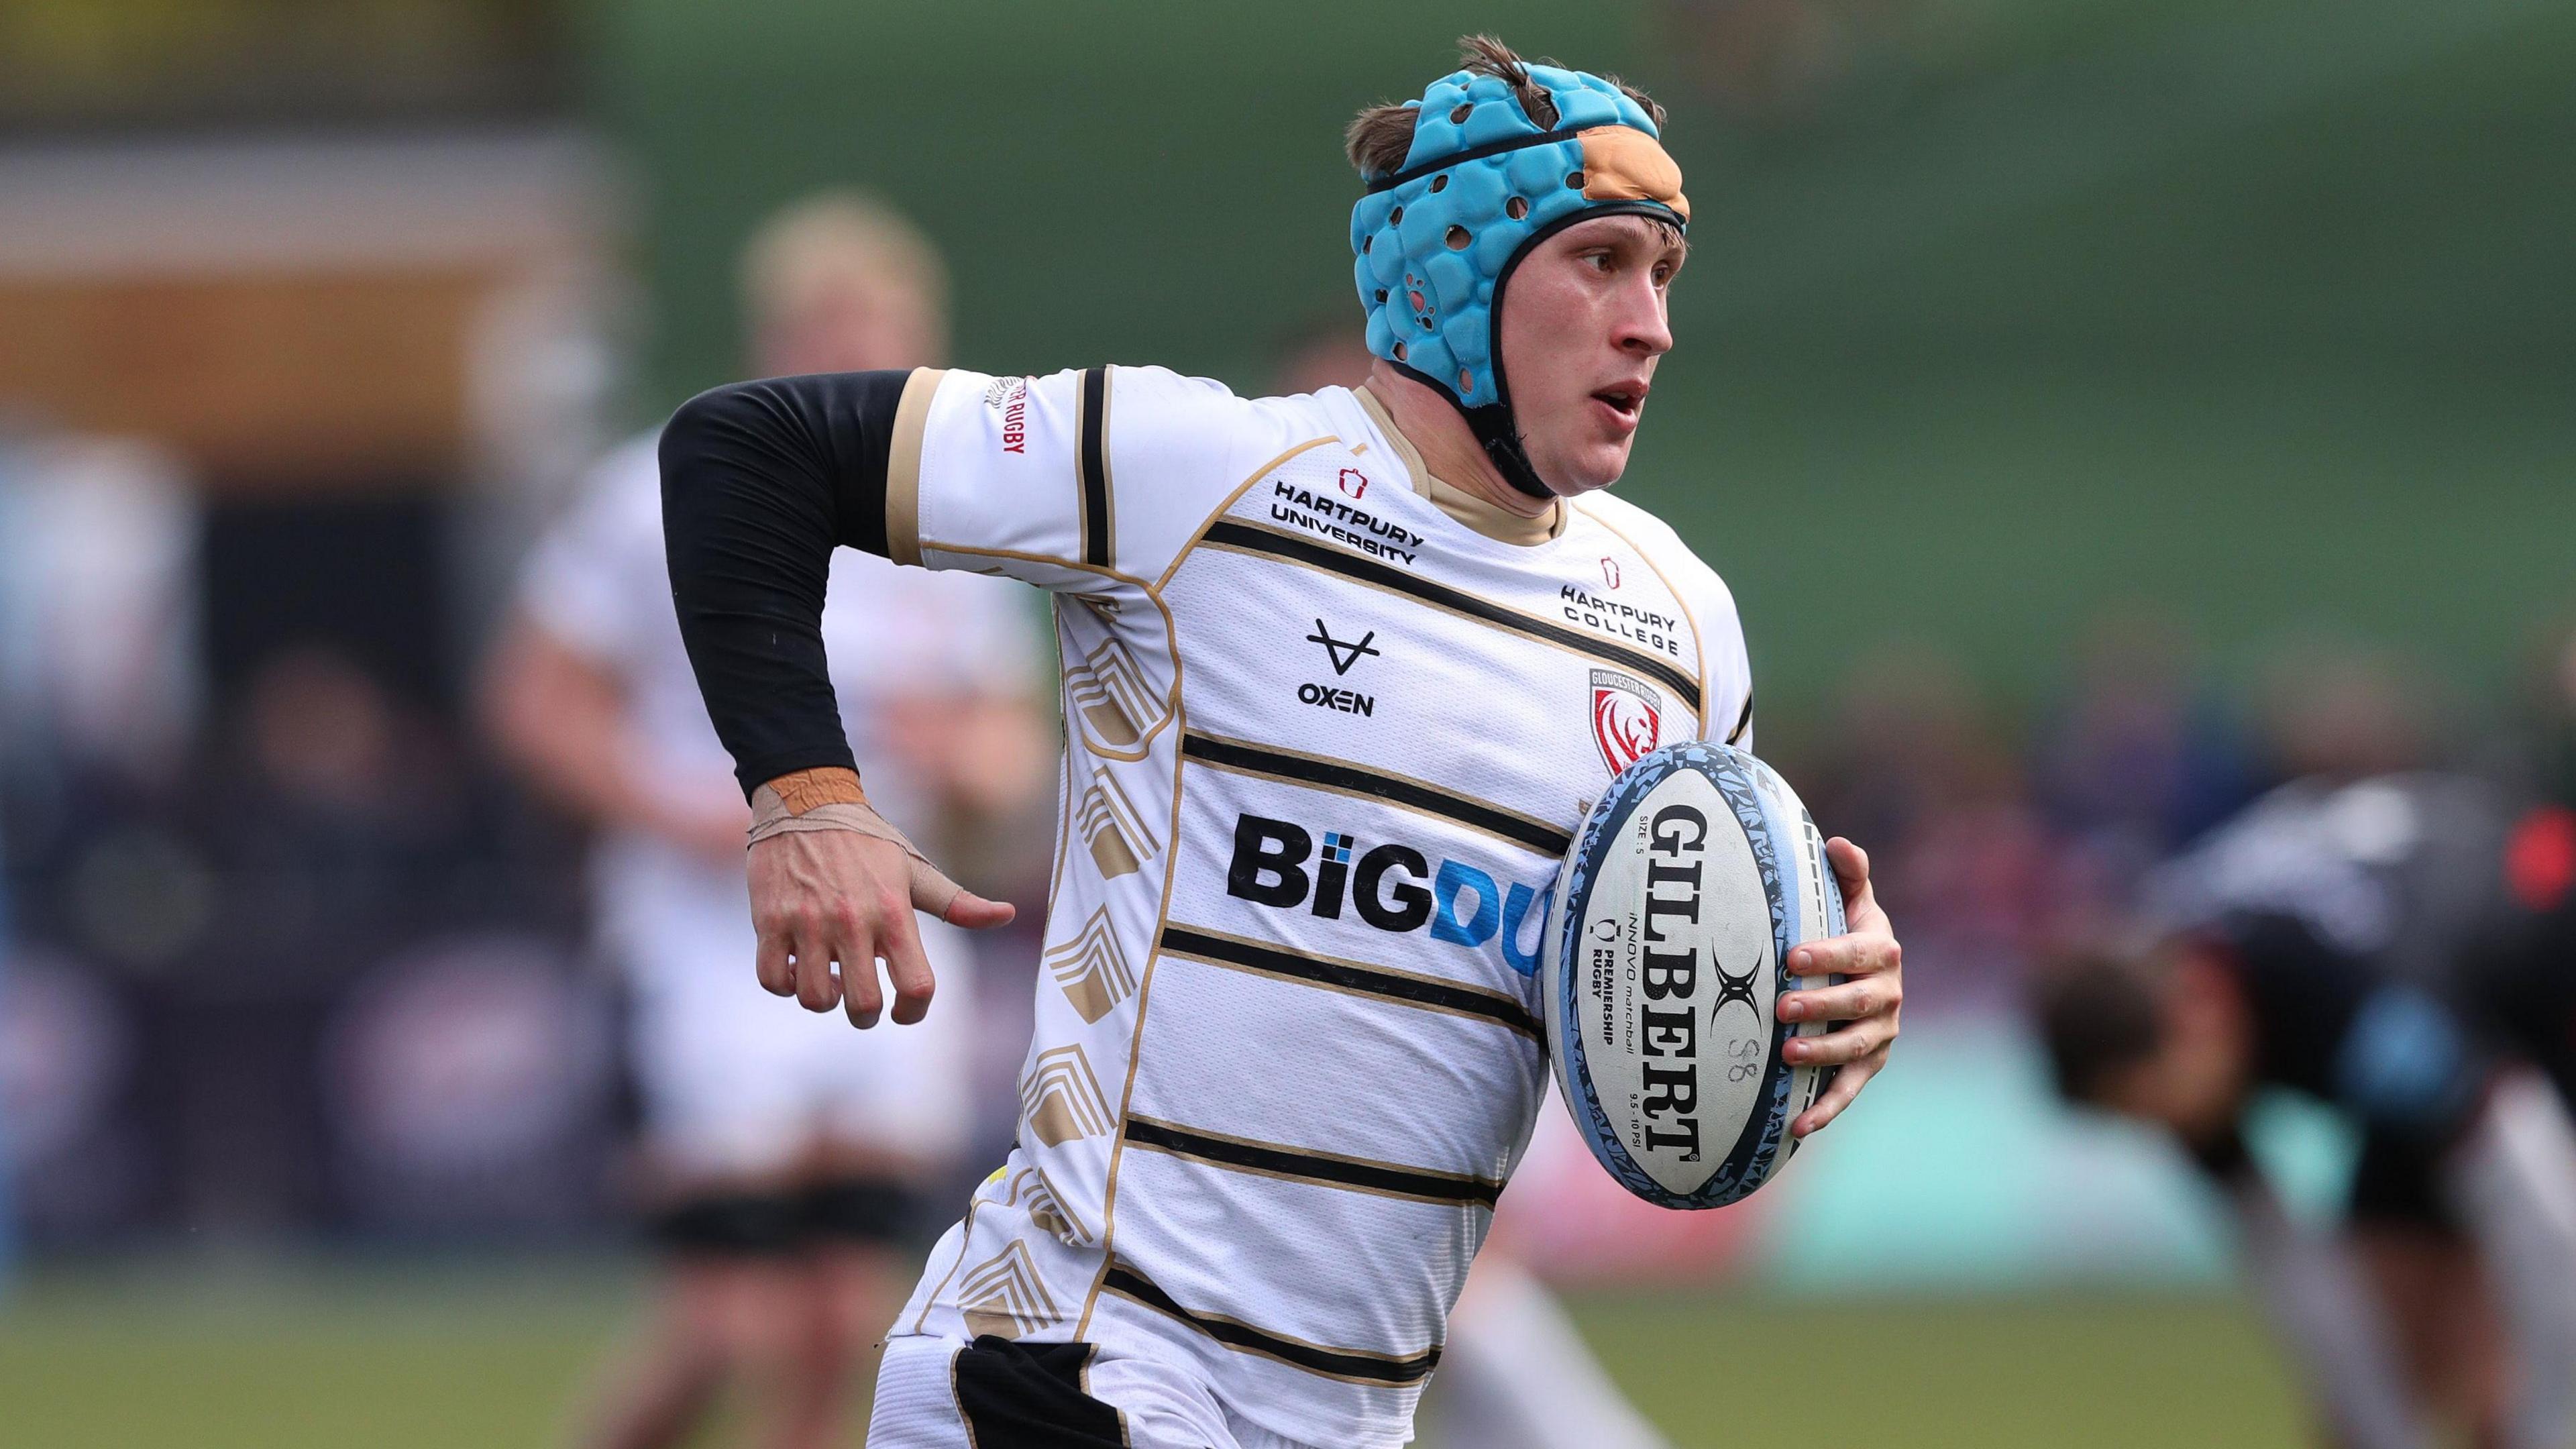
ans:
(1680, 900)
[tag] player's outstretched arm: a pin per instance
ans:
(760, 481)
(1869, 955)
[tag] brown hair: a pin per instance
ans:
(1381, 136)
(2097, 1011)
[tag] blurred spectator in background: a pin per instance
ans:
(1915, 761)
(2342, 710)
(2136, 761)
(786, 1151)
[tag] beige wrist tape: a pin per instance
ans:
(771, 815)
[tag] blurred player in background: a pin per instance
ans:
(1515, 1373)
(785, 1152)
(2402, 947)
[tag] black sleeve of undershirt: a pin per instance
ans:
(760, 481)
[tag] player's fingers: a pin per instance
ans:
(776, 962)
(932, 892)
(817, 989)
(856, 950)
(1833, 1048)
(935, 894)
(908, 968)
(1864, 996)
(1851, 867)
(1862, 953)
(1860, 898)
(976, 913)
(862, 999)
(1838, 1094)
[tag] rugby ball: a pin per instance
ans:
(1679, 901)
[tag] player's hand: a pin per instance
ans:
(1869, 1001)
(820, 897)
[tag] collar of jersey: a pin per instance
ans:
(1493, 521)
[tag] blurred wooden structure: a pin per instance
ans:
(284, 316)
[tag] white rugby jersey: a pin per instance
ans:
(1329, 726)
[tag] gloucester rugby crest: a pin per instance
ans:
(1627, 718)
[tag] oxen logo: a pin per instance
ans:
(1627, 718)
(1352, 482)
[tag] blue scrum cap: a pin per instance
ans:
(1484, 183)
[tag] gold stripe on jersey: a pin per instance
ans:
(1308, 1165)
(1256, 540)
(1226, 505)
(1269, 762)
(903, 465)
(1382, 983)
(1351, 1365)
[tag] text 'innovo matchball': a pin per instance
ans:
(1680, 899)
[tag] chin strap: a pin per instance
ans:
(1493, 429)
(1492, 425)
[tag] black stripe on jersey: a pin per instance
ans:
(1229, 533)
(1743, 721)
(1367, 1368)
(1395, 789)
(1350, 976)
(1270, 1159)
(1091, 462)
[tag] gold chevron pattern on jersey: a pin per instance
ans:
(1092, 968)
(1108, 690)
(1062, 1097)
(1029, 1190)
(1113, 829)
(1005, 1296)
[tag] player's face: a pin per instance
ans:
(852, 329)
(2195, 1081)
(1583, 325)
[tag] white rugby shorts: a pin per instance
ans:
(739, 1083)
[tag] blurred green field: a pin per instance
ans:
(484, 1357)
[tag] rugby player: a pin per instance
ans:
(785, 1157)
(1342, 671)
(2404, 949)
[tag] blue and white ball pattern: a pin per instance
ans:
(1685, 889)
